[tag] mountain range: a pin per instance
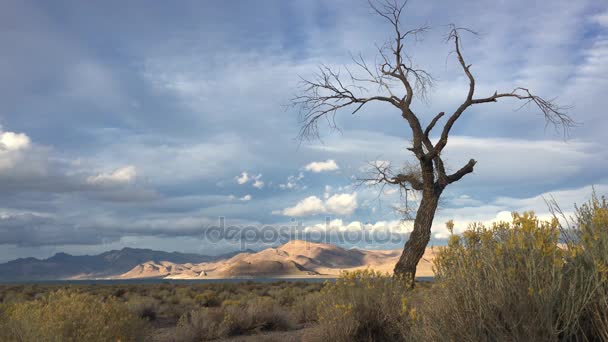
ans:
(294, 259)
(107, 264)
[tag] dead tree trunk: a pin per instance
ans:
(421, 233)
(419, 237)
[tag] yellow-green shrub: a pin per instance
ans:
(70, 316)
(365, 306)
(588, 266)
(515, 281)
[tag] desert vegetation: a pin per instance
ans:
(528, 279)
(164, 312)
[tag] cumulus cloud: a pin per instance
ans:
(12, 146)
(245, 178)
(258, 182)
(322, 166)
(339, 204)
(121, 175)
(312, 205)
(246, 198)
(11, 141)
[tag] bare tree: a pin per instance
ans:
(398, 83)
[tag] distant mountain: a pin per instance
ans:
(108, 264)
(293, 259)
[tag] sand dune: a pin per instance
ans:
(294, 259)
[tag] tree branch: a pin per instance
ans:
(324, 96)
(397, 67)
(454, 35)
(428, 129)
(553, 113)
(468, 168)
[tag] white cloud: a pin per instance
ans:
(12, 148)
(122, 175)
(322, 166)
(243, 178)
(338, 225)
(309, 206)
(258, 182)
(339, 204)
(246, 198)
(10, 141)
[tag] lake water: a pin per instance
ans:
(178, 281)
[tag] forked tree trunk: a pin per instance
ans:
(419, 238)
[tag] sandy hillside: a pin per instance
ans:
(294, 259)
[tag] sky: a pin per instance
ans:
(145, 123)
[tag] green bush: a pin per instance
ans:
(69, 316)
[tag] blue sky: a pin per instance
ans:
(140, 123)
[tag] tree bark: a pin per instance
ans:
(419, 238)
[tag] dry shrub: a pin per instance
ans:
(197, 325)
(233, 318)
(365, 306)
(70, 316)
(207, 299)
(145, 308)
(304, 310)
(517, 282)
